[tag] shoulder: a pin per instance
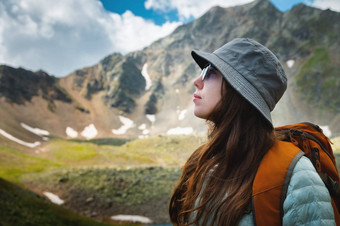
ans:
(308, 200)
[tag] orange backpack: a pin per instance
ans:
(273, 176)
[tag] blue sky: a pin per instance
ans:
(160, 17)
(138, 9)
(65, 35)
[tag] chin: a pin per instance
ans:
(200, 115)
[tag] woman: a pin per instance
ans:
(239, 86)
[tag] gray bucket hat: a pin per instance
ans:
(252, 69)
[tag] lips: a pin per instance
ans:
(197, 97)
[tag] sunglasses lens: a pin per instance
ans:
(204, 72)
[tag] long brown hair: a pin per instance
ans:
(225, 164)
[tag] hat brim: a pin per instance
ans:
(235, 79)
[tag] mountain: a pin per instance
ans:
(20, 85)
(149, 92)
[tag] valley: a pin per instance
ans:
(110, 139)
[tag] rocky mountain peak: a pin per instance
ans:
(20, 85)
(152, 88)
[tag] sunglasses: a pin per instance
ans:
(207, 71)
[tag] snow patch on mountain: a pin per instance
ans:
(326, 130)
(146, 76)
(37, 131)
(290, 63)
(152, 118)
(127, 124)
(142, 126)
(89, 132)
(70, 132)
(180, 131)
(9, 136)
(181, 114)
(53, 198)
(132, 218)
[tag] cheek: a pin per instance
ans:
(214, 96)
(208, 105)
(213, 102)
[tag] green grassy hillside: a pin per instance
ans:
(22, 207)
(15, 163)
(318, 80)
(107, 191)
(60, 153)
(98, 178)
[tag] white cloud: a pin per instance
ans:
(131, 31)
(325, 4)
(64, 35)
(189, 8)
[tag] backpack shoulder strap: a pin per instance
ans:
(287, 179)
(271, 182)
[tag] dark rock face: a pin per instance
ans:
(128, 85)
(152, 106)
(20, 85)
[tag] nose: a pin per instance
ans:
(198, 82)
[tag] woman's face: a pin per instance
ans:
(208, 92)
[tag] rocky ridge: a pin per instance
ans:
(150, 91)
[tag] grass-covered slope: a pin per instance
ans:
(22, 207)
(318, 80)
(100, 178)
(104, 192)
(15, 163)
(154, 151)
(169, 151)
